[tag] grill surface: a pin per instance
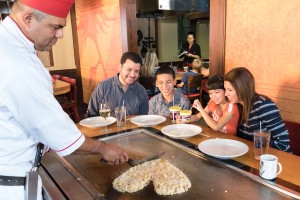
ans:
(211, 179)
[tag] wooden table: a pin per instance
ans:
(61, 87)
(290, 163)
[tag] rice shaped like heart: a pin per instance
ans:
(167, 179)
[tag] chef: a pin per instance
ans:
(29, 113)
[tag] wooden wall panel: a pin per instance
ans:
(217, 36)
(264, 37)
(128, 24)
(105, 29)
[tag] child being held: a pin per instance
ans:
(168, 96)
(219, 114)
(196, 68)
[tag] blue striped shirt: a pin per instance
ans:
(265, 111)
(110, 91)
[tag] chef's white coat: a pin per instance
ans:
(29, 113)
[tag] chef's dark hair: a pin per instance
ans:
(215, 82)
(136, 58)
(165, 70)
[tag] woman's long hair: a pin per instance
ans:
(151, 61)
(243, 83)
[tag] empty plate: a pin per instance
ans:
(223, 148)
(95, 122)
(180, 131)
(148, 120)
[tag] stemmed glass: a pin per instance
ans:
(104, 111)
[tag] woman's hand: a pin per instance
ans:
(197, 105)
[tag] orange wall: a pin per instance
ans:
(99, 40)
(264, 36)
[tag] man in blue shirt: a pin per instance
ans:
(122, 87)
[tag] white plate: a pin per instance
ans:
(223, 148)
(180, 131)
(148, 120)
(95, 122)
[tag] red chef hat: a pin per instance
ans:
(57, 8)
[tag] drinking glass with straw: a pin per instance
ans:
(261, 142)
(173, 107)
(120, 113)
(124, 109)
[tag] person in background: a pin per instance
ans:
(219, 114)
(256, 109)
(143, 54)
(148, 71)
(29, 112)
(151, 65)
(196, 67)
(168, 96)
(204, 71)
(123, 87)
(205, 96)
(190, 50)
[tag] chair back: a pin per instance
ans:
(72, 81)
(70, 106)
(194, 82)
(56, 76)
(294, 134)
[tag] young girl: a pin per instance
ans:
(219, 114)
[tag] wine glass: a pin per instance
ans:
(104, 111)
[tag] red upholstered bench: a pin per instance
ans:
(294, 131)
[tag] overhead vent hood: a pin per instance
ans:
(167, 8)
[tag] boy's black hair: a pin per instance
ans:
(215, 82)
(136, 58)
(165, 70)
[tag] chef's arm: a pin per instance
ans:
(113, 154)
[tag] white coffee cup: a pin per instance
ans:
(268, 166)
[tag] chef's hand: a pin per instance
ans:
(178, 119)
(197, 105)
(114, 154)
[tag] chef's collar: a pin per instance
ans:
(10, 22)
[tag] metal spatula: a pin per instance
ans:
(133, 163)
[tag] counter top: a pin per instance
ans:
(291, 163)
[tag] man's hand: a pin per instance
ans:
(114, 154)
